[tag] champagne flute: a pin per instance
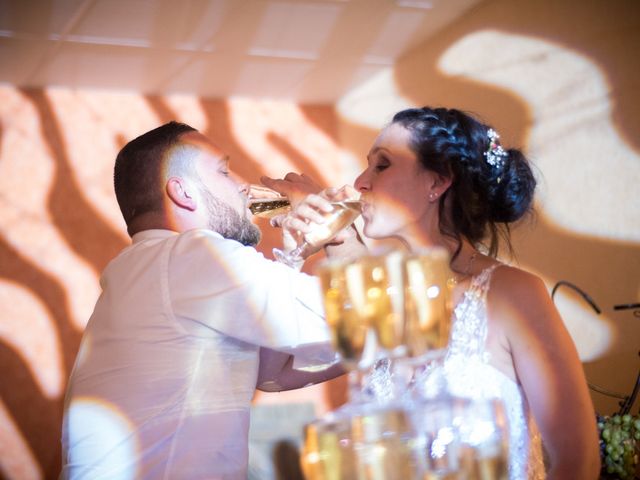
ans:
(376, 443)
(484, 439)
(342, 214)
(363, 307)
(342, 285)
(264, 202)
(327, 449)
(409, 309)
(428, 306)
(461, 438)
(383, 303)
(439, 444)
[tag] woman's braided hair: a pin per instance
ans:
(485, 196)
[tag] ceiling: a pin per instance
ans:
(302, 50)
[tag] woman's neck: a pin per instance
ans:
(461, 262)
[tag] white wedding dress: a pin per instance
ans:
(469, 374)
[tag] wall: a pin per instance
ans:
(558, 78)
(60, 225)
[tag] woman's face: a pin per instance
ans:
(395, 187)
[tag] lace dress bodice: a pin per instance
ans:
(469, 374)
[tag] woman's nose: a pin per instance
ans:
(361, 184)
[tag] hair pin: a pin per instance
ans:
(495, 155)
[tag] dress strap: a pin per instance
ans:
(480, 283)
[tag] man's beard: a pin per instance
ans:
(228, 223)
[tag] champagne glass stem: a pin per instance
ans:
(429, 377)
(356, 393)
(292, 258)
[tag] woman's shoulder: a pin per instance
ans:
(516, 281)
(507, 278)
(501, 273)
(508, 285)
(518, 295)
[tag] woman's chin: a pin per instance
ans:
(374, 233)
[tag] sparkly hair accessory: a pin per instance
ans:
(495, 155)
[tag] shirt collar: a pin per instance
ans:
(160, 234)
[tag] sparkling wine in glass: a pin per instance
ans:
(382, 301)
(351, 335)
(363, 307)
(342, 214)
(369, 444)
(484, 440)
(266, 203)
(428, 305)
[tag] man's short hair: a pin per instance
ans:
(141, 167)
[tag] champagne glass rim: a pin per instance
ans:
(256, 187)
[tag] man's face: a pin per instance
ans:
(221, 200)
(227, 222)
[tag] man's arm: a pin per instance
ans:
(276, 373)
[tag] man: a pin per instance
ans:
(190, 321)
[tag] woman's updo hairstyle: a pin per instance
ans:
(490, 188)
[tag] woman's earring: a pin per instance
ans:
(433, 196)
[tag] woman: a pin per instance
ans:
(440, 177)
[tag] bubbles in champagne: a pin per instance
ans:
(375, 444)
(342, 215)
(427, 302)
(348, 329)
(269, 208)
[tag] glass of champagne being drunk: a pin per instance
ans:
(266, 203)
(342, 214)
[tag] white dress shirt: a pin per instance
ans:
(168, 363)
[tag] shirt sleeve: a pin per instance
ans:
(234, 290)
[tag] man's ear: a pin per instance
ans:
(180, 193)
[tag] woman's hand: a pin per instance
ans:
(294, 186)
(302, 219)
(310, 212)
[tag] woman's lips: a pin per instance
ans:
(366, 208)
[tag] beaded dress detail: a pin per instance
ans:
(469, 374)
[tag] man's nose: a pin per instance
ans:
(243, 188)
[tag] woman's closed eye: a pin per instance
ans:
(382, 165)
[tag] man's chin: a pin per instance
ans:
(250, 235)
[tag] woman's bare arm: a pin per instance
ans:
(547, 365)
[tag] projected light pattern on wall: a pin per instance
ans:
(60, 225)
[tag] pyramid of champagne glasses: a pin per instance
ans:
(390, 317)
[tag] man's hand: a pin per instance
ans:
(276, 373)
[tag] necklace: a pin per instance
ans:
(454, 279)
